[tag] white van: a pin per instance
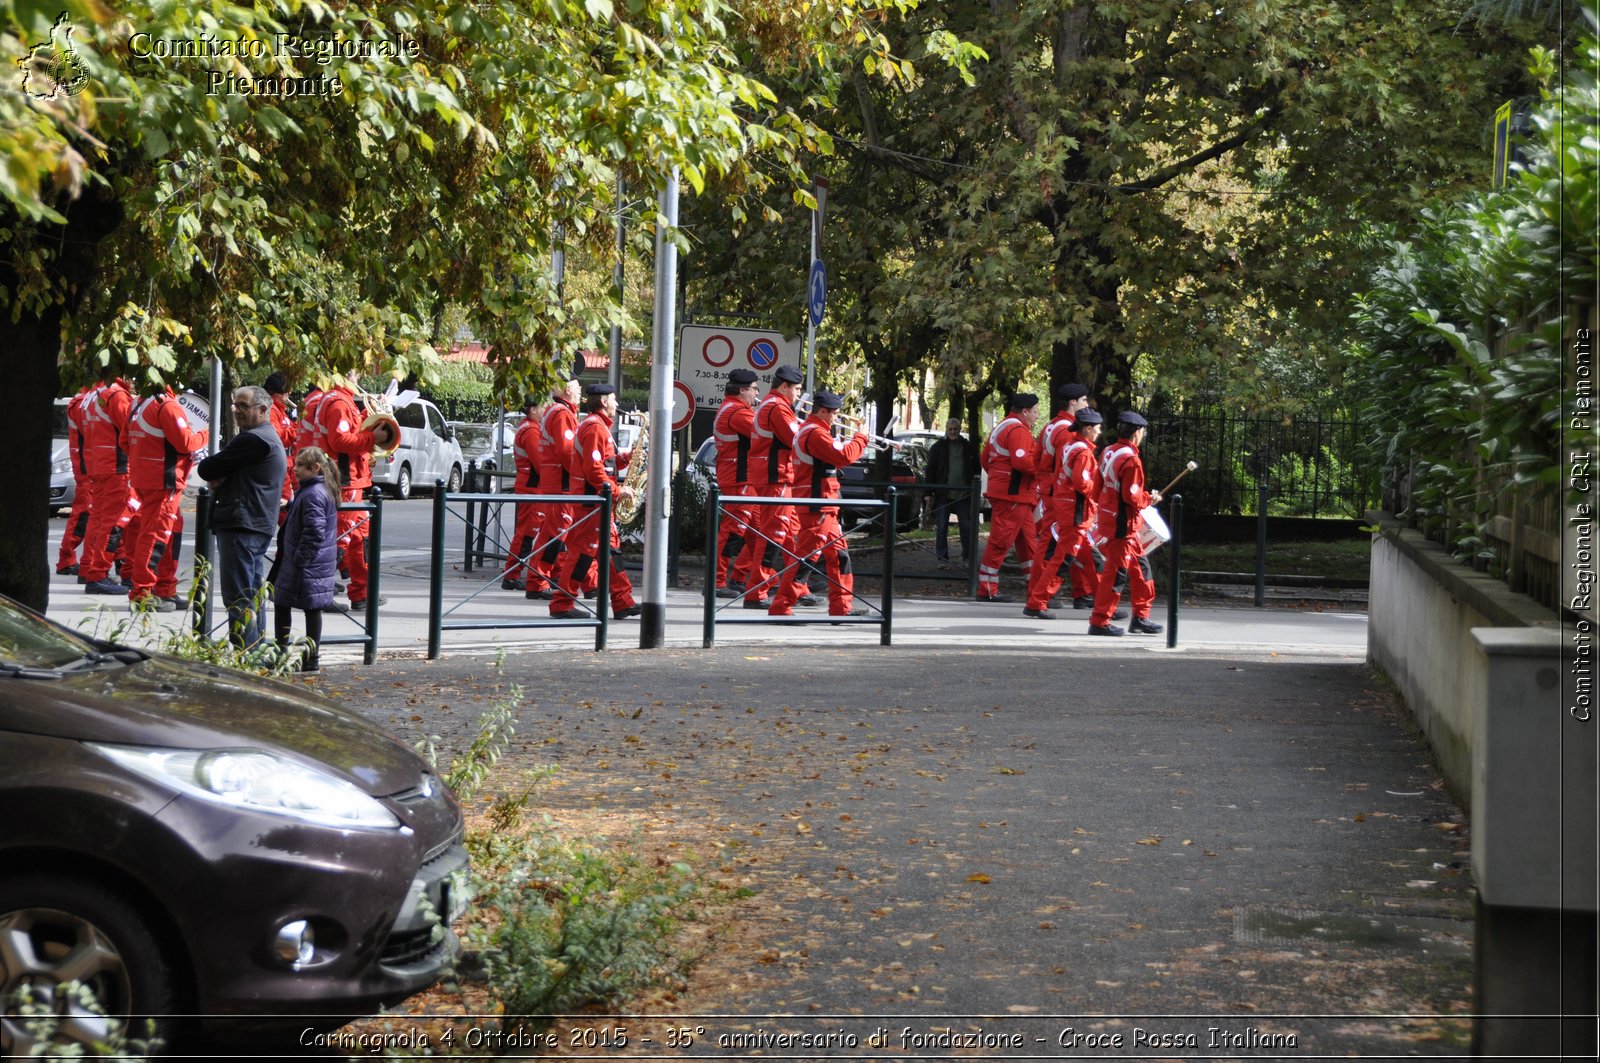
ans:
(428, 452)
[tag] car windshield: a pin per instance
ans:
(28, 642)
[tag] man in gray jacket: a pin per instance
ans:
(247, 476)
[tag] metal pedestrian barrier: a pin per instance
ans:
(474, 506)
(884, 618)
(367, 625)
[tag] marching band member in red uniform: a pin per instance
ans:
(771, 470)
(1053, 439)
(161, 453)
(105, 433)
(520, 573)
(735, 427)
(817, 460)
(78, 516)
(1122, 496)
(351, 445)
(558, 431)
(594, 465)
(1010, 457)
(1069, 513)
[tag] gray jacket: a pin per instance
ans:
(250, 469)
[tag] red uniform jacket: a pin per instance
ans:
(344, 439)
(77, 442)
(1010, 457)
(772, 447)
(1078, 479)
(1122, 491)
(735, 428)
(818, 459)
(594, 457)
(558, 431)
(1052, 442)
(288, 434)
(527, 454)
(162, 445)
(310, 434)
(105, 432)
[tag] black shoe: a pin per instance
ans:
(164, 605)
(70, 570)
(627, 612)
(510, 585)
(857, 611)
(994, 598)
(1120, 614)
(1142, 626)
(761, 603)
(1039, 614)
(578, 610)
(589, 596)
(542, 595)
(728, 592)
(1083, 601)
(806, 599)
(105, 586)
(356, 607)
(1109, 629)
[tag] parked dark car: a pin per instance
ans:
(190, 840)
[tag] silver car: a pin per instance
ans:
(428, 452)
(63, 488)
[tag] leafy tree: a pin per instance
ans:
(1135, 191)
(159, 208)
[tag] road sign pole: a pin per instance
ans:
(813, 317)
(653, 619)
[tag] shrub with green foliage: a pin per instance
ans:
(1500, 266)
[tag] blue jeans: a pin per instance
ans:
(241, 571)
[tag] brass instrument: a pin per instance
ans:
(850, 424)
(380, 415)
(627, 506)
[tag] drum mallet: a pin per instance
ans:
(1187, 469)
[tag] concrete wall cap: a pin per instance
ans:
(1538, 641)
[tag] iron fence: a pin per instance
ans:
(1312, 466)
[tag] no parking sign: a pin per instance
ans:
(707, 354)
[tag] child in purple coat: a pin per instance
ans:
(308, 558)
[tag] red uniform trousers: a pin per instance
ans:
(766, 553)
(555, 518)
(160, 521)
(353, 539)
(77, 524)
(818, 532)
(733, 533)
(108, 505)
(520, 558)
(1010, 523)
(1141, 590)
(580, 565)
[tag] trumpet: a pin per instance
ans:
(851, 424)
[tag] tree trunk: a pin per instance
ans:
(32, 382)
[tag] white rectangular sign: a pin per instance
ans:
(708, 353)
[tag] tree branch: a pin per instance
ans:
(1220, 148)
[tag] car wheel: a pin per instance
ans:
(453, 484)
(56, 929)
(402, 483)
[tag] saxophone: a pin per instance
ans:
(638, 474)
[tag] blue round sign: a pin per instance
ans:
(763, 354)
(817, 291)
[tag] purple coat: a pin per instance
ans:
(309, 556)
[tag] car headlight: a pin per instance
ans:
(60, 467)
(257, 780)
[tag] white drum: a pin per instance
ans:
(196, 408)
(1154, 531)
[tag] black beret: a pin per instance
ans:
(276, 384)
(1087, 417)
(742, 377)
(1023, 400)
(827, 400)
(599, 389)
(1068, 392)
(1129, 417)
(787, 374)
(530, 401)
